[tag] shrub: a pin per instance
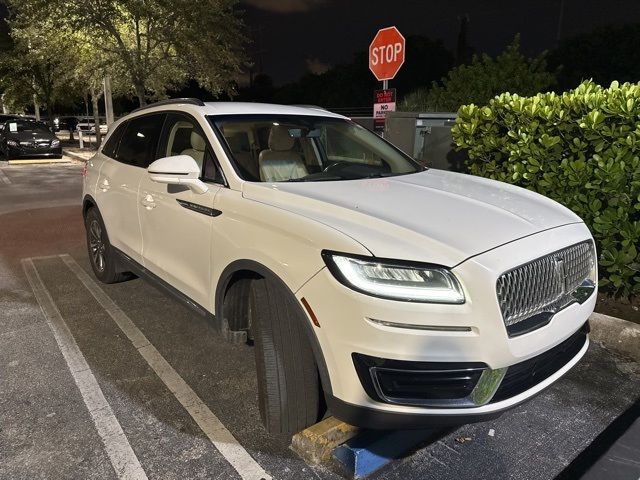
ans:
(580, 148)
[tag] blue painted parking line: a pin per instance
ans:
(372, 450)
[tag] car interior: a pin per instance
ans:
(270, 151)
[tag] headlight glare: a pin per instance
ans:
(55, 143)
(12, 143)
(431, 284)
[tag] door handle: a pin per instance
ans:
(104, 186)
(148, 202)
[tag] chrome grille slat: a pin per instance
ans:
(545, 284)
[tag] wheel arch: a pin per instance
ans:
(88, 202)
(240, 269)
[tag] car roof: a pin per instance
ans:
(235, 108)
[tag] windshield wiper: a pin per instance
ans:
(316, 179)
(382, 175)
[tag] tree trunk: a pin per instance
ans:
(96, 116)
(140, 93)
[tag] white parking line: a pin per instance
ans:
(217, 433)
(4, 178)
(122, 456)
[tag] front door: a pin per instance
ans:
(176, 222)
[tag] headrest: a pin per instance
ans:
(279, 139)
(197, 142)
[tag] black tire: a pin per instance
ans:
(101, 255)
(237, 305)
(288, 382)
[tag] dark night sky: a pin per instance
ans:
(298, 35)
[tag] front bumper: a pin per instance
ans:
(25, 152)
(354, 323)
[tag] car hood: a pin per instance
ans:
(432, 216)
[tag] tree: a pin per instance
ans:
(482, 80)
(158, 44)
(34, 66)
(604, 55)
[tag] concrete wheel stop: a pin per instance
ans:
(357, 453)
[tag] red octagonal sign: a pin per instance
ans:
(386, 53)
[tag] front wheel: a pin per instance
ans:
(101, 255)
(288, 382)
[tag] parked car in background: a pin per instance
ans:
(25, 138)
(401, 296)
(65, 123)
(88, 125)
(4, 118)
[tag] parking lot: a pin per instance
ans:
(120, 381)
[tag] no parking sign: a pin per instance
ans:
(384, 101)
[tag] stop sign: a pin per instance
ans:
(386, 53)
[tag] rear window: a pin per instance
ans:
(139, 140)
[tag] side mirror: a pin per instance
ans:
(178, 170)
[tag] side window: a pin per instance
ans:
(111, 146)
(183, 136)
(139, 140)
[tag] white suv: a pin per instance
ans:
(390, 294)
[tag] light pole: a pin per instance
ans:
(36, 107)
(108, 101)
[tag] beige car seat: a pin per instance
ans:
(197, 149)
(280, 163)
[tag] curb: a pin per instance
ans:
(617, 334)
(38, 161)
(75, 156)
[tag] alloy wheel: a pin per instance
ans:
(97, 247)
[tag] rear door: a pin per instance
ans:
(176, 222)
(119, 180)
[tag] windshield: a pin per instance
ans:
(288, 148)
(26, 126)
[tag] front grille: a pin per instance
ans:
(545, 285)
(36, 144)
(524, 375)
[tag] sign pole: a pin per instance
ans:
(385, 86)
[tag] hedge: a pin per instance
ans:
(580, 148)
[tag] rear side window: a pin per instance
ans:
(139, 140)
(111, 146)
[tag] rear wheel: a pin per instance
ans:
(288, 383)
(101, 255)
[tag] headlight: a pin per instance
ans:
(12, 143)
(55, 143)
(396, 281)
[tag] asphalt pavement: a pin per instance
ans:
(162, 395)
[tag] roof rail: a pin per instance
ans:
(315, 107)
(172, 101)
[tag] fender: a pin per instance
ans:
(265, 272)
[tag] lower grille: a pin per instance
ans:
(524, 375)
(540, 288)
(434, 384)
